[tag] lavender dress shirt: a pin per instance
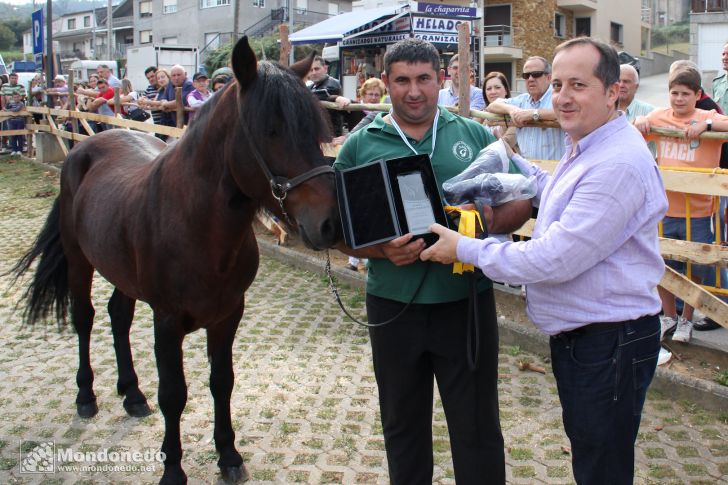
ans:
(594, 256)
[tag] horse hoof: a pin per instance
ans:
(87, 410)
(138, 410)
(234, 474)
(173, 477)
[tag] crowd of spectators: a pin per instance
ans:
(157, 102)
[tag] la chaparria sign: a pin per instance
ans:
(447, 10)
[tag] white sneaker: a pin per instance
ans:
(684, 330)
(667, 325)
(664, 357)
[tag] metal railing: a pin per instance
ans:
(498, 35)
(706, 6)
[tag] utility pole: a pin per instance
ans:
(109, 27)
(50, 74)
(292, 55)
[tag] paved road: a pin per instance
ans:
(305, 399)
(653, 90)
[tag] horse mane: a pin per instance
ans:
(293, 111)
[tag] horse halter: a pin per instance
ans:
(280, 186)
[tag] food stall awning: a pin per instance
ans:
(336, 28)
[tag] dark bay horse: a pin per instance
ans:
(171, 226)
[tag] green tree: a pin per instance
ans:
(7, 37)
(267, 47)
(18, 26)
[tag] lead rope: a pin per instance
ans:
(334, 290)
(473, 326)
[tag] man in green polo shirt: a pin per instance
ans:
(6, 95)
(430, 338)
(10, 88)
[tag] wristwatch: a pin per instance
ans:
(535, 115)
(709, 125)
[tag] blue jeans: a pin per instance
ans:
(16, 141)
(602, 373)
(700, 231)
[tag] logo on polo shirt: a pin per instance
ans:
(462, 151)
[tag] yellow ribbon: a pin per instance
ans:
(466, 227)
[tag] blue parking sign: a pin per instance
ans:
(37, 24)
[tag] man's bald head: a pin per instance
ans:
(629, 70)
(629, 81)
(177, 75)
(682, 64)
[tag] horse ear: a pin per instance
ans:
(245, 65)
(302, 67)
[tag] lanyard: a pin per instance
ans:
(404, 137)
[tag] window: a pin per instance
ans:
(559, 25)
(213, 3)
(616, 32)
(145, 8)
(169, 40)
(71, 24)
(259, 3)
(87, 21)
(333, 8)
(145, 36)
(212, 40)
(169, 6)
(583, 26)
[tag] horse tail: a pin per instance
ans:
(49, 288)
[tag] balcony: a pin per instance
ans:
(577, 5)
(118, 23)
(708, 6)
(498, 43)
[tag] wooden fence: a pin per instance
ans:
(708, 182)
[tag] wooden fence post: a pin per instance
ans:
(180, 107)
(117, 102)
(72, 103)
(29, 137)
(464, 69)
(285, 45)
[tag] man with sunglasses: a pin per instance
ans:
(532, 106)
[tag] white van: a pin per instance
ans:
(83, 69)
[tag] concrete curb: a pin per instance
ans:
(707, 394)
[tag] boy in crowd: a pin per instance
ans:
(690, 151)
(16, 122)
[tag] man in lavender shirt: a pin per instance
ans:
(592, 267)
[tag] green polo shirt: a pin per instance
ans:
(720, 91)
(458, 142)
(8, 90)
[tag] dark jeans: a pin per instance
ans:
(16, 141)
(602, 374)
(430, 341)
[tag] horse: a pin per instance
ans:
(172, 226)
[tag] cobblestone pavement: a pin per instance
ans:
(305, 401)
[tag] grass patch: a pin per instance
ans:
(655, 453)
(524, 471)
(513, 351)
(722, 378)
(521, 454)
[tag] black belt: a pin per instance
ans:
(599, 327)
